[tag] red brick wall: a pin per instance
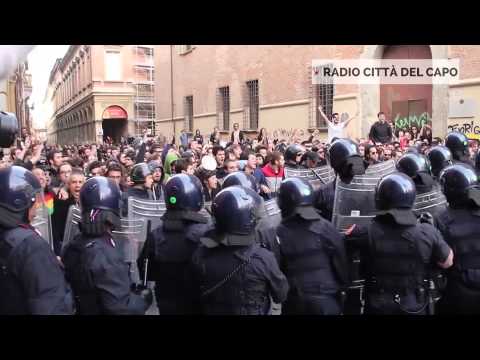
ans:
(282, 72)
(469, 56)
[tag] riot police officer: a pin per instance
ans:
(231, 273)
(440, 157)
(398, 252)
(265, 229)
(31, 278)
(293, 156)
(344, 157)
(460, 226)
(417, 167)
(312, 252)
(170, 246)
(93, 261)
(457, 143)
(142, 178)
(477, 162)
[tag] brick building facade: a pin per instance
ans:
(101, 90)
(199, 87)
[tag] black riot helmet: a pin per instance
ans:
(457, 181)
(184, 192)
(234, 209)
(19, 188)
(395, 191)
(292, 152)
(100, 193)
(412, 150)
(440, 157)
(344, 157)
(412, 163)
(457, 142)
(241, 179)
(294, 193)
(8, 129)
(139, 173)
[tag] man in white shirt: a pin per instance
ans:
(335, 126)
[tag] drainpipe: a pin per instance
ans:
(171, 89)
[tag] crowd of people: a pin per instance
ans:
(142, 166)
(188, 175)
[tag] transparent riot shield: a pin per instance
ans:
(323, 174)
(273, 211)
(71, 226)
(151, 210)
(355, 204)
(207, 210)
(273, 184)
(317, 177)
(131, 238)
(433, 202)
(43, 224)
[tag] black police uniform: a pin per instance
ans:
(94, 264)
(224, 290)
(169, 249)
(230, 272)
(31, 279)
(460, 225)
(100, 278)
(265, 230)
(343, 156)
(398, 261)
(312, 251)
(170, 246)
(397, 253)
(325, 200)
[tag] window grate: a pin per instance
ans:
(223, 108)
(188, 113)
(320, 95)
(251, 105)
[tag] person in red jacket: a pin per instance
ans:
(274, 172)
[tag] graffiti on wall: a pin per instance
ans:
(406, 122)
(469, 128)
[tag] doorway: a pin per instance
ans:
(114, 128)
(407, 105)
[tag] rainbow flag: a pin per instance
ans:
(48, 200)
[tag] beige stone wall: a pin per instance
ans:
(284, 117)
(469, 125)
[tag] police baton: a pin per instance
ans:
(318, 176)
